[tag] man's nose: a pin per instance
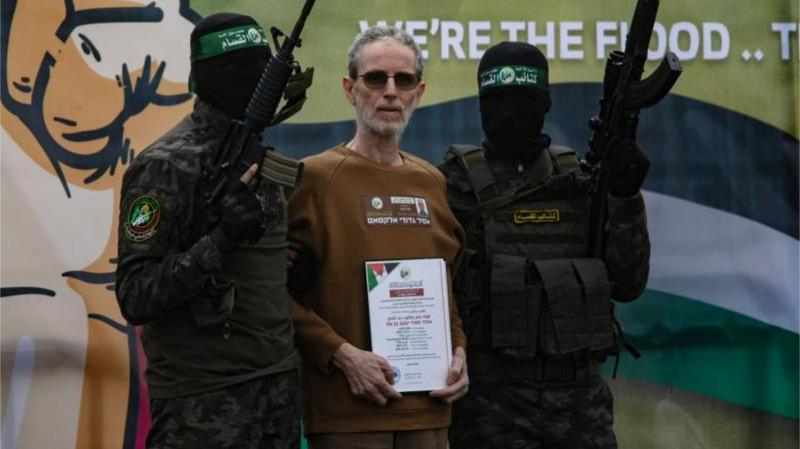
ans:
(390, 90)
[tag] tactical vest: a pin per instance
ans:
(526, 288)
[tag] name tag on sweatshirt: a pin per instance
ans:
(396, 211)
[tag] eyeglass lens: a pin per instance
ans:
(378, 79)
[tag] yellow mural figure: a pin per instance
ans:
(86, 86)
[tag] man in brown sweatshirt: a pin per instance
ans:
(348, 397)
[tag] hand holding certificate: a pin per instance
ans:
(457, 378)
(410, 320)
(368, 374)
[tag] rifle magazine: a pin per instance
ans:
(281, 169)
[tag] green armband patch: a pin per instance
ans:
(142, 219)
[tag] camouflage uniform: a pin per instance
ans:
(536, 310)
(520, 414)
(258, 414)
(217, 331)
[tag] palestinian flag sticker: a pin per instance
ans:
(377, 272)
(142, 219)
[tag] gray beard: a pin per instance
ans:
(383, 128)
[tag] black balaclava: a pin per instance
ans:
(229, 53)
(514, 97)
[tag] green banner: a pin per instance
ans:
(737, 55)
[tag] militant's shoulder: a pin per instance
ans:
(179, 150)
(454, 169)
(565, 159)
(451, 168)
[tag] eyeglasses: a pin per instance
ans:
(377, 80)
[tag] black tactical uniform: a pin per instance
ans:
(212, 298)
(536, 310)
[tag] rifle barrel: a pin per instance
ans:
(294, 38)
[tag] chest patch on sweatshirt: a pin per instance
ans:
(396, 211)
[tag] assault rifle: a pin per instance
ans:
(625, 93)
(241, 147)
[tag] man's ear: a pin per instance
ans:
(420, 91)
(347, 86)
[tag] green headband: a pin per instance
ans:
(227, 40)
(513, 76)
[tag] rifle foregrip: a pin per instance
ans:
(268, 93)
(281, 169)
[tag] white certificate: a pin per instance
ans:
(409, 318)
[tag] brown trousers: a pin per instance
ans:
(407, 439)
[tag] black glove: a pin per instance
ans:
(629, 167)
(241, 217)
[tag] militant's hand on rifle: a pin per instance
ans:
(629, 167)
(241, 215)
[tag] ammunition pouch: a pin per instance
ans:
(515, 305)
(551, 308)
(578, 296)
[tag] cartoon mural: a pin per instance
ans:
(86, 85)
